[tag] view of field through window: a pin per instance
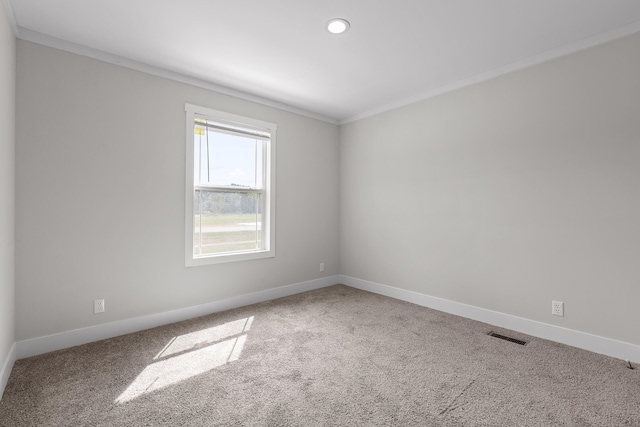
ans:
(228, 191)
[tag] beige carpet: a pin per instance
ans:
(335, 356)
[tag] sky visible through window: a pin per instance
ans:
(227, 160)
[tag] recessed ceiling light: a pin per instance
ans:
(338, 26)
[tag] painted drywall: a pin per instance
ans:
(508, 194)
(7, 185)
(100, 170)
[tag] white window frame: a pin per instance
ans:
(268, 216)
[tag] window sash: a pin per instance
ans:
(229, 234)
(230, 189)
(261, 159)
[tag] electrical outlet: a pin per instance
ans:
(321, 267)
(557, 308)
(98, 306)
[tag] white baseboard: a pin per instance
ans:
(594, 343)
(7, 366)
(45, 344)
(41, 345)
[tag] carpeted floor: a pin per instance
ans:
(332, 357)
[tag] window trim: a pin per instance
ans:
(269, 215)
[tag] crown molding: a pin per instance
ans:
(528, 62)
(567, 49)
(46, 40)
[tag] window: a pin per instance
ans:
(230, 187)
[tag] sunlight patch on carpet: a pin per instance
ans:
(189, 355)
(188, 341)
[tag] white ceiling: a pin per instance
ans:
(278, 50)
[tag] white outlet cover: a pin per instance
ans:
(557, 308)
(98, 306)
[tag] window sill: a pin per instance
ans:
(190, 261)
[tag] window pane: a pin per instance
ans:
(226, 222)
(227, 160)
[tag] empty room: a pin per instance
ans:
(297, 213)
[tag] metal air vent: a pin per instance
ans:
(506, 338)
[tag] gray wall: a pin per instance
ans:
(7, 196)
(100, 168)
(507, 194)
(504, 195)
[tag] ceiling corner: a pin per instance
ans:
(12, 16)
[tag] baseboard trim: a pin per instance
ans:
(7, 366)
(597, 344)
(45, 344)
